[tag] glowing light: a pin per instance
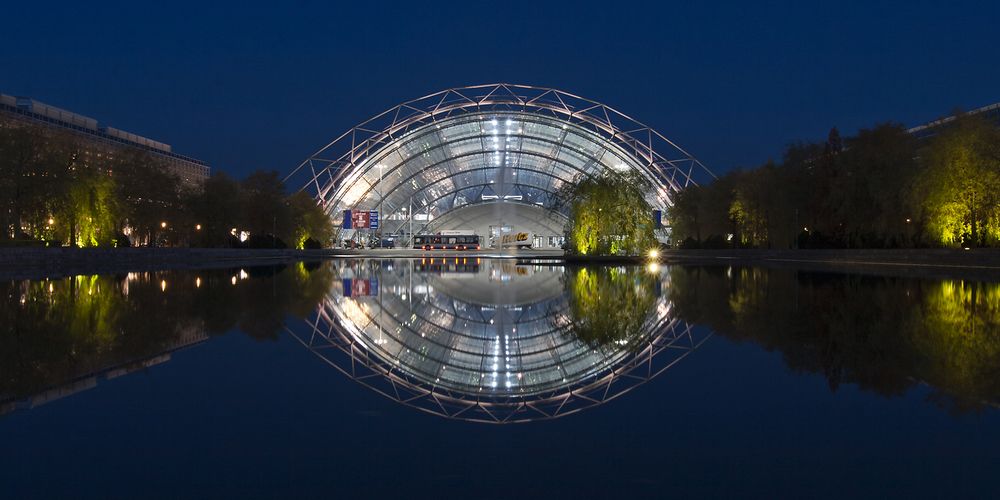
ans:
(163, 224)
(197, 282)
(233, 281)
(654, 253)
(163, 285)
(51, 221)
(197, 227)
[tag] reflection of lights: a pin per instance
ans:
(356, 313)
(233, 281)
(51, 288)
(243, 274)
(197, 282)
(163, 285)
(653, 268)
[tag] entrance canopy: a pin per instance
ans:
(489, 143)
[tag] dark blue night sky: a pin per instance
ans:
(246, 88)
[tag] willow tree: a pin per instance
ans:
(959, 191)
(609, 215)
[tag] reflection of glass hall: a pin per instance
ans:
(482, 340)
(453, 150)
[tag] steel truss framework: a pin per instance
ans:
(417, 156)
(345, 342)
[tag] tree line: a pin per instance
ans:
(882, 188)
(57, 190)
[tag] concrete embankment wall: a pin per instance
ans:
(25, 263)
(931, 262)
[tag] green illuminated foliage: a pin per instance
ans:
(609, 215)
(959, 191)
(53, 332)
(609, 305)
(310, 222)
(883, 334)
(91, 209)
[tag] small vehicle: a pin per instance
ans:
(517, 240)
(446, 242)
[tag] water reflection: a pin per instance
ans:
(497, 341)
(885, 334)
(61, 336)
(505, 341)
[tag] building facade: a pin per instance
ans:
(930, 129)
(101, 140)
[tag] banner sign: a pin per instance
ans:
(360, 219)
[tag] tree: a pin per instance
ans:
(684, 217)
(609, 215)
(149, 194)
(31, 167)
(264, 206)
(960, 183)
(312, 226)
(215, 206)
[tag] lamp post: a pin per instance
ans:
(379, 232)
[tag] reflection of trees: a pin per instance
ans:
(55, 331)
(883, 334)
(608, 304)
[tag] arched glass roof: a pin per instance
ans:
(486, 143)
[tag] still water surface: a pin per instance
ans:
(488, 378)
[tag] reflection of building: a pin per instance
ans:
(930, 129)
(103, 142)
(88, 380)
(482, 349)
